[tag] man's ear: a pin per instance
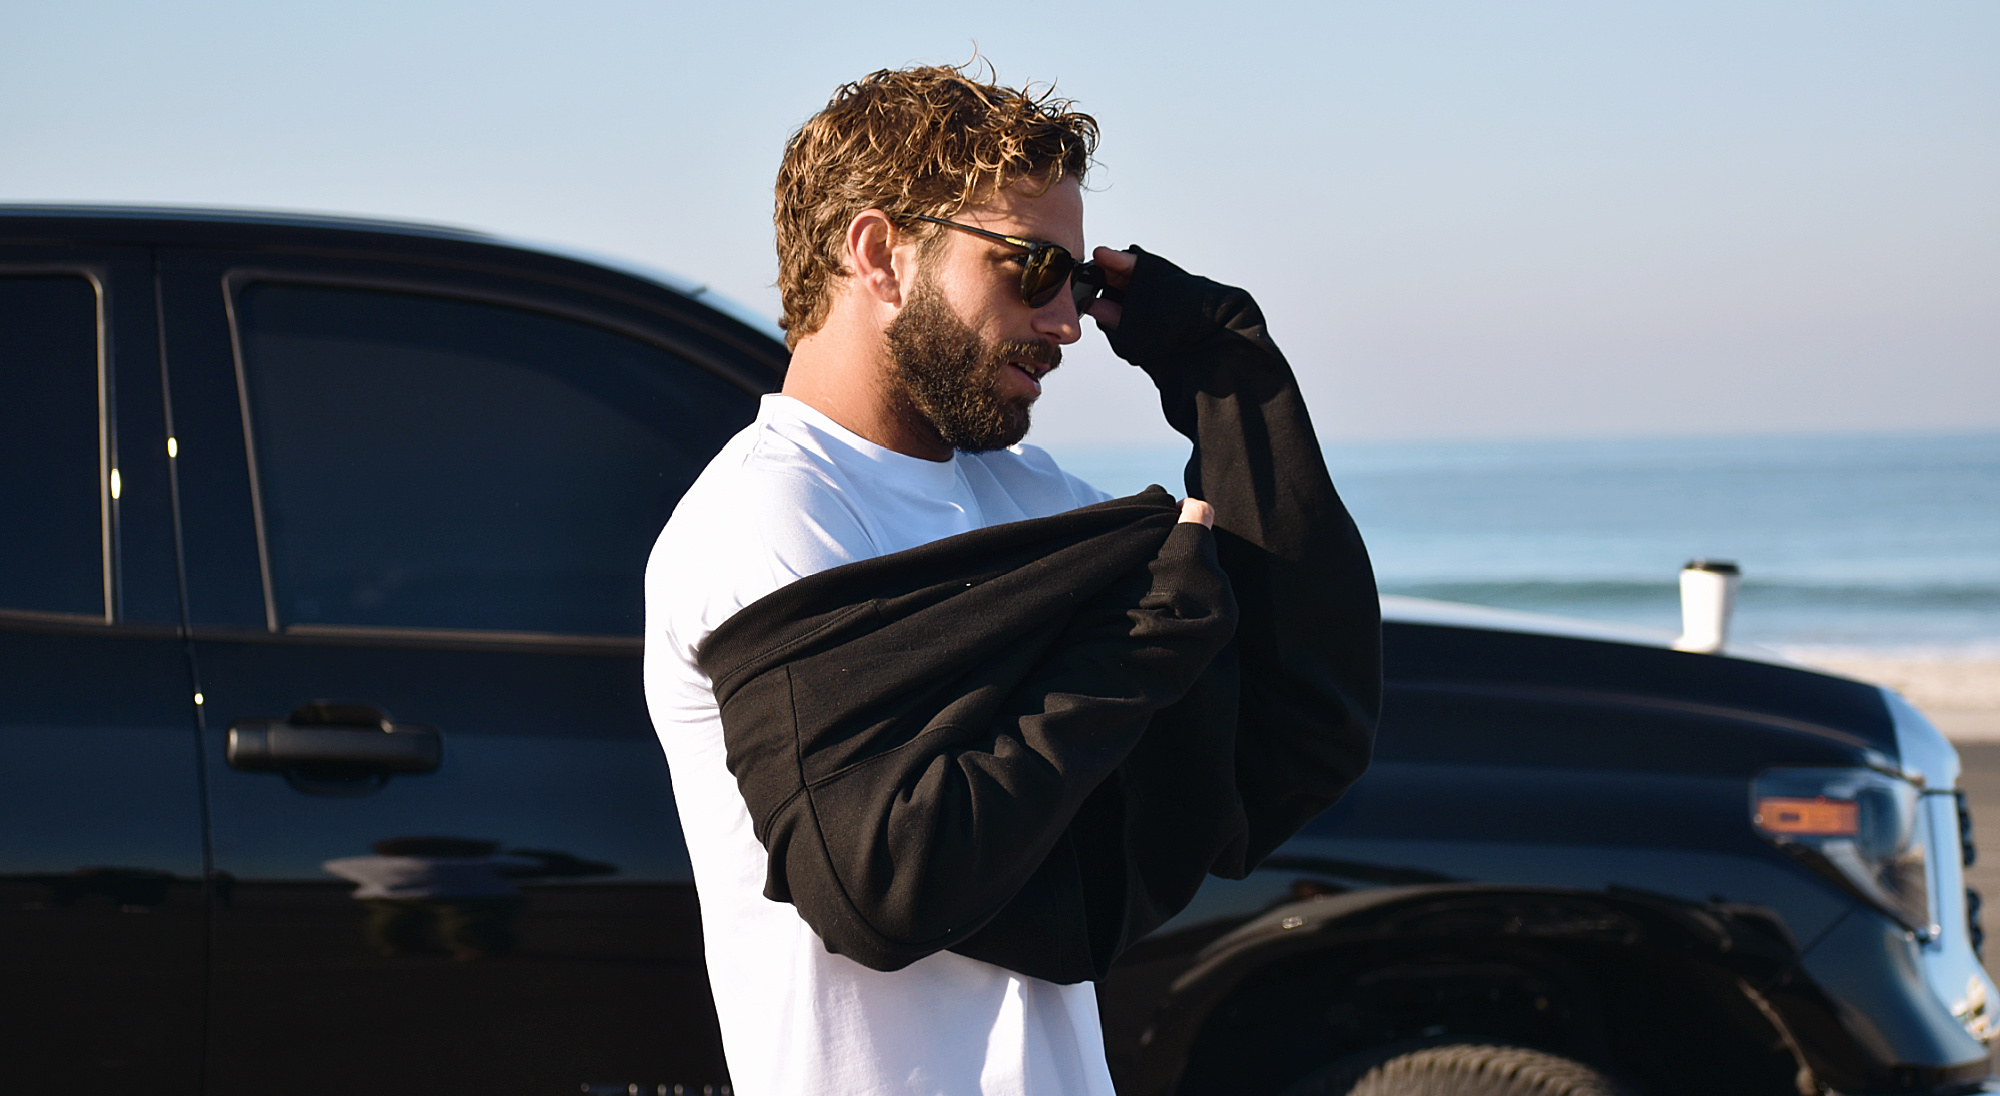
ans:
(872, 246)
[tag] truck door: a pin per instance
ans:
(101, 915)
(418, 504)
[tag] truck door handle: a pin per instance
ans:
(326, 735)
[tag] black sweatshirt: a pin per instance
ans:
(1029, 744)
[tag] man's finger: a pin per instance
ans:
(1117, 265)
(1106, 313)
(1197, 510)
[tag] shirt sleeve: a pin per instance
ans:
(741, 539)
(913, 745)
(1309, 636)
(735, 537)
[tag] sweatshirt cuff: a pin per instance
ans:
(1168, 310)
(1188, 579)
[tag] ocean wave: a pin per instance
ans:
(1984, 656)
(1555, 593)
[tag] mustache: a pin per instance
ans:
(1040, 351)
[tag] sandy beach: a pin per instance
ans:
(1961, 695)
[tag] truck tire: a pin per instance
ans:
(1457, 1069)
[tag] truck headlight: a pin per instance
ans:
(1857, 827)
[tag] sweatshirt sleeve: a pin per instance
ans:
(1309, 637)
(911, 848)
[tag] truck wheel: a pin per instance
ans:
(1458, 1069)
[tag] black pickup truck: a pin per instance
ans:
(324, 766)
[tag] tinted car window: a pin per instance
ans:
(425, 461)
(51, 495)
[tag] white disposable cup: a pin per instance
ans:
(1708, 598)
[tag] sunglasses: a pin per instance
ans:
(1048, 267)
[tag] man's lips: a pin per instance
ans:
(1034, 371)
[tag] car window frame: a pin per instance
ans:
(236, 279)
(97, 276)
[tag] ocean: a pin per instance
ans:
(1859, 544)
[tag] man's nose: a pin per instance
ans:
(1058, 321)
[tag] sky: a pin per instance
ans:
(1463, 220)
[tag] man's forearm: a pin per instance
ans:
(1309, 637)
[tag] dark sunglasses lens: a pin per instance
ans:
(1086, 283)
(1048, 267)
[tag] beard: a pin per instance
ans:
(950, 377)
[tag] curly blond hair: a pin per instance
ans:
(924, 140)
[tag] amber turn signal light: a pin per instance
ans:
(1820, 817)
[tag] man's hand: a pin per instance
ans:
(1195, 509)
(1117, 267)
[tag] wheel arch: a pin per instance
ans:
(1634, 960)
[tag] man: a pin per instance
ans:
(925, 227)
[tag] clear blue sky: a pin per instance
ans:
(1463, 219)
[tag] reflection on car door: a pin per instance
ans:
(101, 925)
(417, 509)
